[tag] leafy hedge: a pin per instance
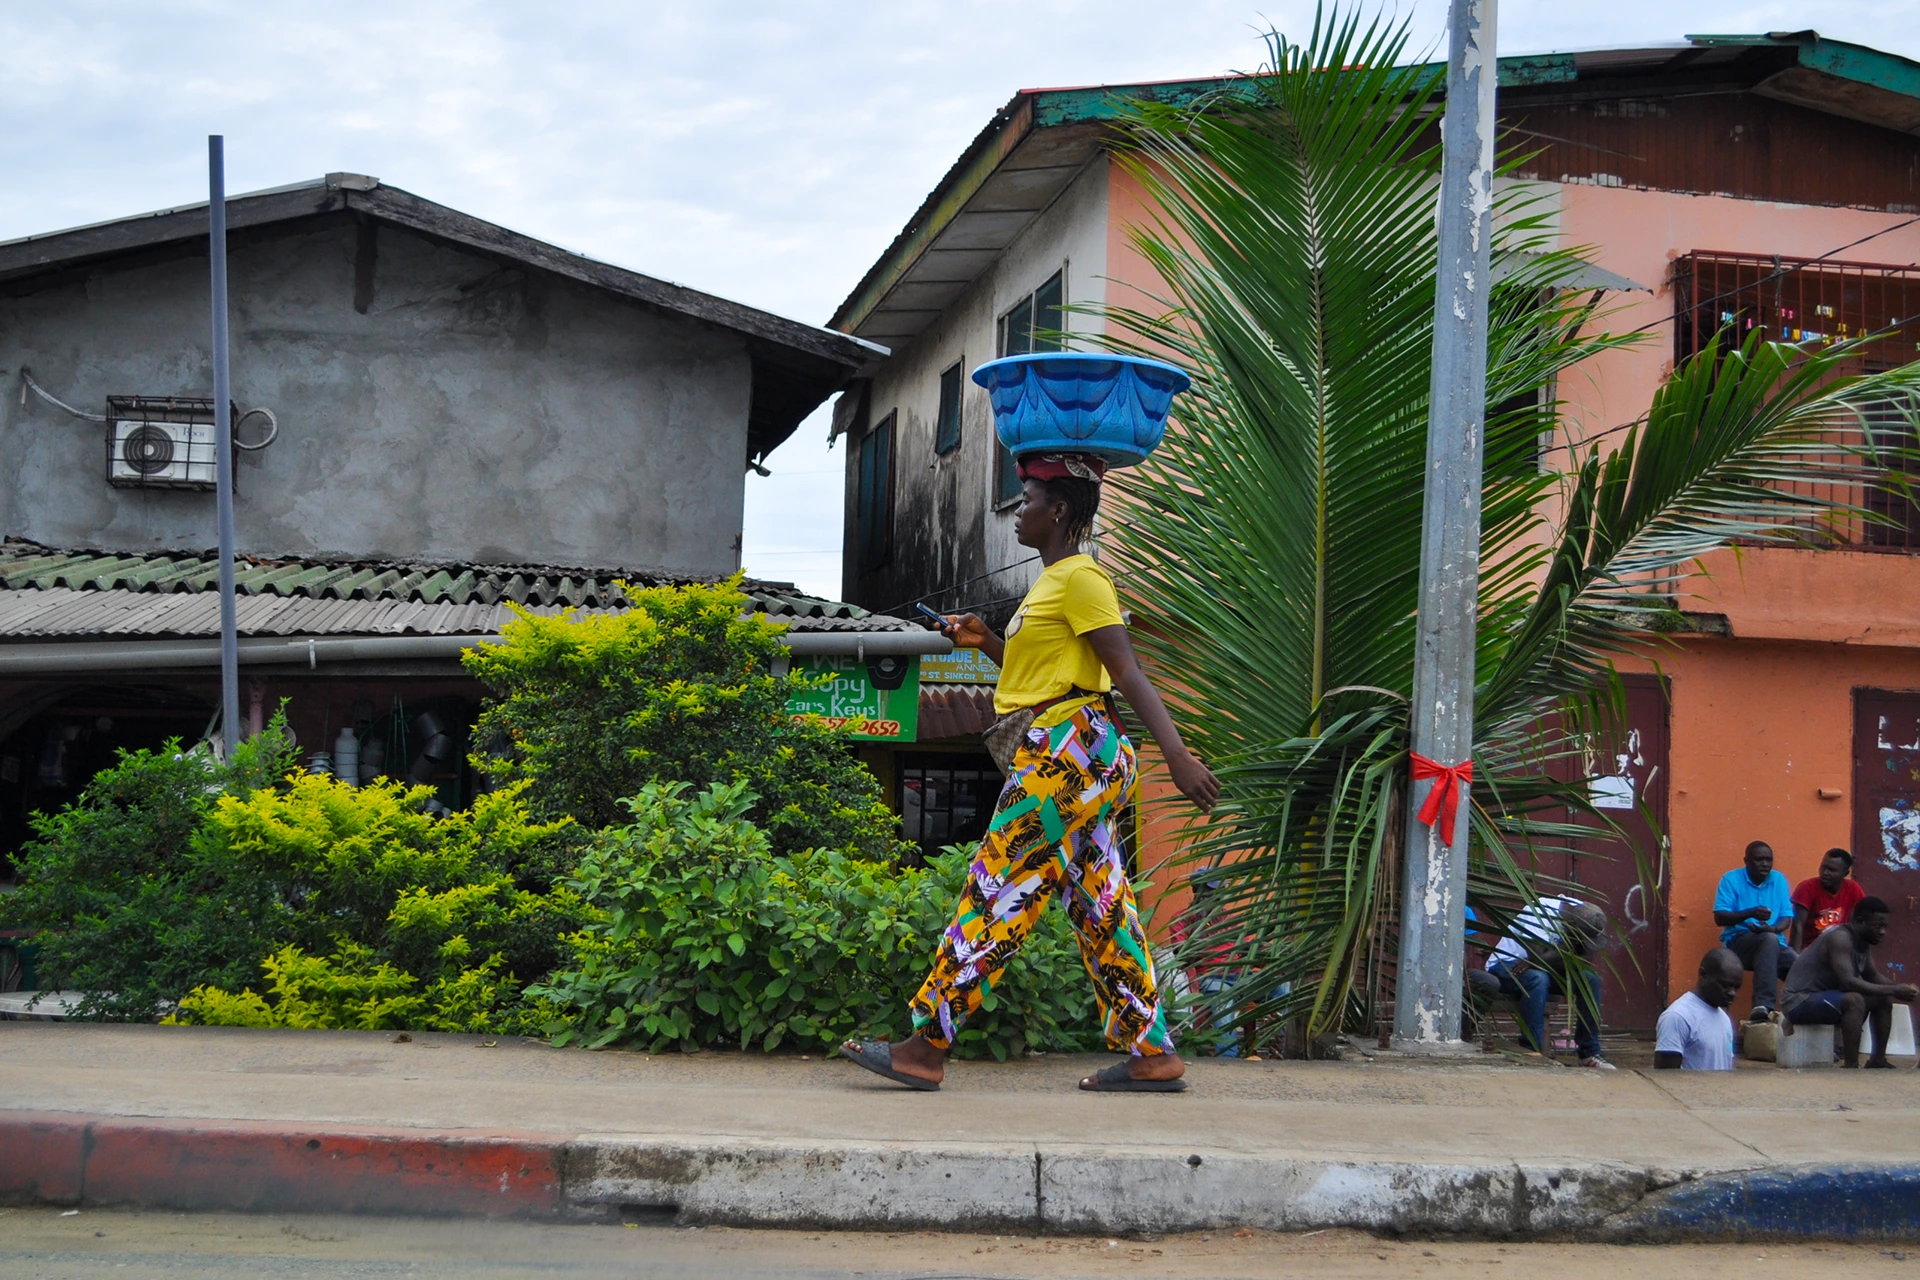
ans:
(680, 687)
(703, 936)
(391, 917)
(671, 860)
(133, 901)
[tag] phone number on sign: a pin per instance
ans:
(865, 727)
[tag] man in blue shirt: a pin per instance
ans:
(1754, 909)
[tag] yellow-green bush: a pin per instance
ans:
(396, 918)
(678, 688)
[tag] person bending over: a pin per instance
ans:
(1695, 1033)
(1835, 983)
(1055, 828)
(1754, 910)
(1536, 957)
(1825, 900)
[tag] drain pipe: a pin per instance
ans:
(311, 651)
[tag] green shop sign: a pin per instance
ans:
(877, 700)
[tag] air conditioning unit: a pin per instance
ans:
(156, 442)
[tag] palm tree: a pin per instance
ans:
(1273, 546)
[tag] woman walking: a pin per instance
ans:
(1071, 773)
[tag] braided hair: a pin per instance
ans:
(1082, 499)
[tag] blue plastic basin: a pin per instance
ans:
(1076, 402)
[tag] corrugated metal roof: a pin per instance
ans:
(955, 710)
(47, 593)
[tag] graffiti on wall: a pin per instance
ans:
(1899, 820)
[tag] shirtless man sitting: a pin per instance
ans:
(1835, 983)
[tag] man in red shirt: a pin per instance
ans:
(1825, 900)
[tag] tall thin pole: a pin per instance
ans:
(223, 443)
(1427, 1006)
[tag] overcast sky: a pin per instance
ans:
(766, 152)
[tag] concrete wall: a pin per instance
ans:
(1758, 729)
(472, 413)
(1640, 233)
(946, 527)
(1759, 723)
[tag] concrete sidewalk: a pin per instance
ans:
(197, 1118)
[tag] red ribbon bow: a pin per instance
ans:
(1443, 801)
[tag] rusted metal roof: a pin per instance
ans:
(955, 710)
(47, 593)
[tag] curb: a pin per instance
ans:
(266, 1167)
(245, 1166)
(1802, 1202)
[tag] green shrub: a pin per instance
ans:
(352, 990)
(370, 865)
(134, 905)
(394, 918)
(704, 936)
(678, 688)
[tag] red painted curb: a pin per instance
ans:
(42, 1158)
(273, 1166)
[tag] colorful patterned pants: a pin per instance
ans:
(1053, 830)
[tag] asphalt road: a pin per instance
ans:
(47, 1244)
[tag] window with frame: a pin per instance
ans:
(1814, 302)
(1035, 323)
(946, 432)
(946, 797)
(873, 522)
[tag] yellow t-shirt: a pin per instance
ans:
(1047, 650)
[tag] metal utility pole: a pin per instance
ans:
(1427, 1007)
(223, 442)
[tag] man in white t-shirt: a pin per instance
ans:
(1695, 1032)
(1549, 947)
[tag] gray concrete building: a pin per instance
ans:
(460, 421)
(444, 389)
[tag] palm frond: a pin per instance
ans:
(1272, 547)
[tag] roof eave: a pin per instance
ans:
(1097, 106)
(992, 145)
(1847, 80)
(1875, 87)
(809, 362)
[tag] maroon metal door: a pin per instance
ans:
(1630, 772)
(1886, 819)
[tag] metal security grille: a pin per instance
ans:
(1817, 302)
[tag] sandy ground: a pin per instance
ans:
(47, 1243)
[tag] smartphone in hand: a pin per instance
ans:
(939, 622)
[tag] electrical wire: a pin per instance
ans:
(955, 586)
(273, 423)
(28, 384)
(1892, 326)
(1779, 273)
(273, 430)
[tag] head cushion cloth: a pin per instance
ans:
(1058, 466)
